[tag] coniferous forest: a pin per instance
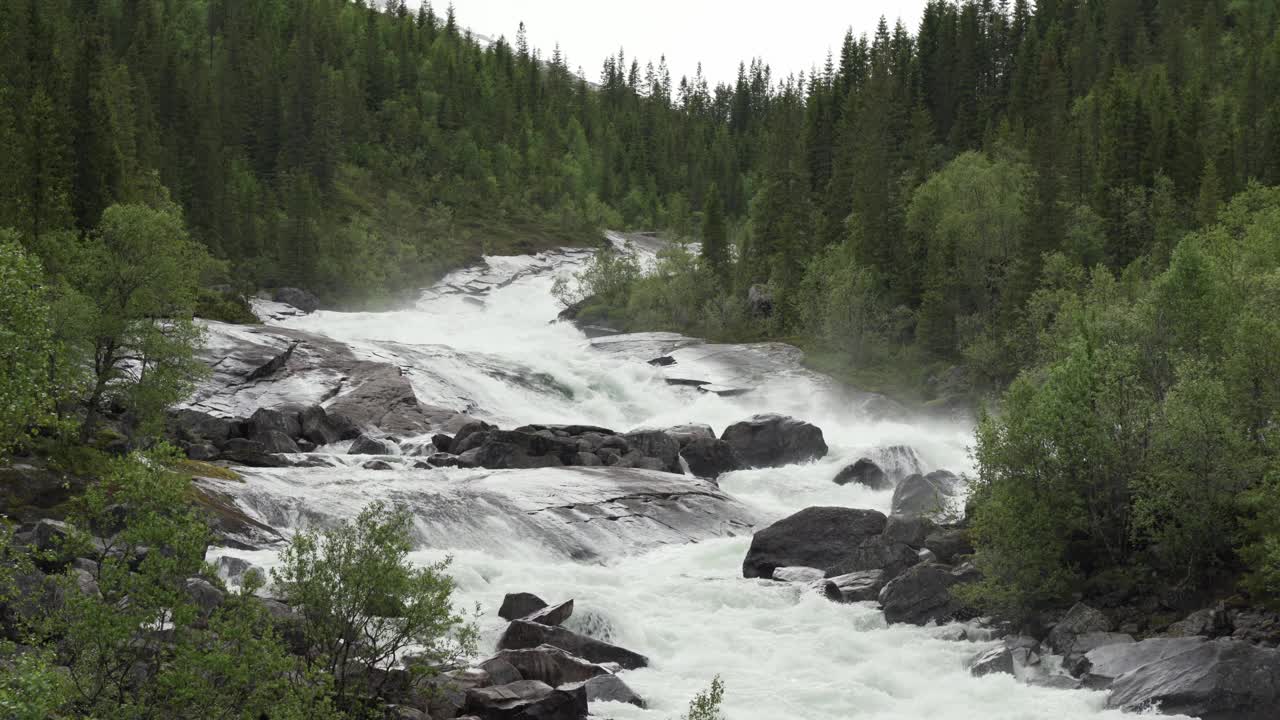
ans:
(1064, 214)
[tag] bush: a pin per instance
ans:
(706, 704)
(26, 392)
(364, 603)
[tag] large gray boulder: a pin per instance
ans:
(685, 434)
(1079, 620)
(710, 458)
(833, 539)
(1105, 663)
(866, 473)
(922, 594)
(527, 700)
(266, 420)
(522, 634)
(657, 444)
(608, 688)
(299, 298)
(927, 495)
(854, 587)
(548, 664)
(368, 445)
(775, 440)
(1223, 679)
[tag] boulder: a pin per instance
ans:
(521, 634)
(460, 442)
(202, 452)
(996, 661)
(512, 449)
(519, 605)
(898, 462)
(1209, 622)
(949, 543)
(376, 465)
(442, 460)
(929, 495)
(1223, 679)
(298, 298)
(1079, 620)
(922, 594)
(657, 444)
(910, 530)
(204, 595)
(818, 537)
(366, 445)
(265, 420)
(442, 442)
(710, 458)
(547, 664)
(864, 472)
(193, 426)
(798, 574)
(1076, 662)
(854, 587)
(1105, 663)
(274, 442)
(552, 615)
(685, 434)
(318, 428)
(608, 688)
(500, 671)
(527, 700)
(775, 440)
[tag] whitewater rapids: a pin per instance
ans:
(481, 341)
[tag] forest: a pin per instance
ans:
(1066, 212)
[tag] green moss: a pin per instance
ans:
(196, 468)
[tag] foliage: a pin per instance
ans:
(365, 604)
(1261, 552)
(706, 704)
(139, 273)
(26, 396)
(31, 688)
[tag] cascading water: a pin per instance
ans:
(481, 341)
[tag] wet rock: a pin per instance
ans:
(521, 634)
(519, 605)
(1079, 620)
(898, 462)
(548, 664)
(828, 538)
(864, 472)
(383, 398)
(274, 442)
(929, 495)
(264, 421)
(193, 426)
(298, 298)
(798, 574)
(1208, 622)
(910, 530)
(509, 449)
(442, 460)
(586, 459)
(233, 569)
(377, 465)
(1105, 663)
(996, 661)
(710, 458)
(552, 614)
(608, 688)
(442, 442)
(685, 434)
(922, 594)
(854, 587)
(366, 445)
(664, 361)
(1223, 679)
(1075, 661)
(500, 671)
(775, 440)
(318, 428)
(527, 700)
(657, 444)
(949, 543)
(462, 441)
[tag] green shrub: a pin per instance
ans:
(706, 704)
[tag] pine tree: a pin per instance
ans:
(715, 237)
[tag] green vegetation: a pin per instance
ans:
(365, 604)
(706, 704)
(143, 629)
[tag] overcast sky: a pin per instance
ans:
(791, 36)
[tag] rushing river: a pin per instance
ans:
(783, 652)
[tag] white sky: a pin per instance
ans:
(790, 36)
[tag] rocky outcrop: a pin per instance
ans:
(527, 700)
(835, 540)
(518, 605)
(367, 445)
(1223, 679)
(542, 446)
(864, 472)
(1103, 664)
(922, 594)
(710, 457)
(929, 495)
(298, 298)
(522, 634)
(853, 587)
(1080, 620)
(548, 664)
(775, 440)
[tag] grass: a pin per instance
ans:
(197, 468)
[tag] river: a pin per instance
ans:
(783, 652)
